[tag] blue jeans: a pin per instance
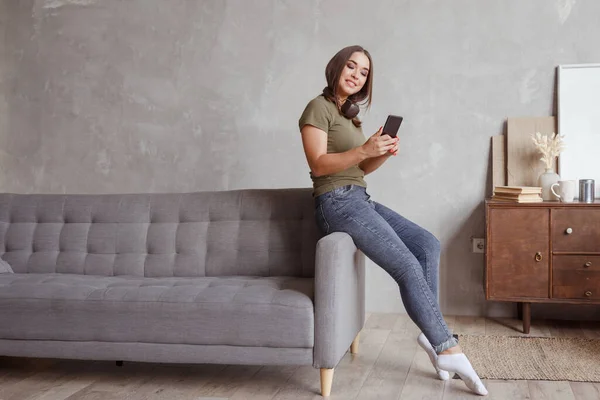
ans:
(407, 252)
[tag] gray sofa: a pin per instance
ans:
(236, 277)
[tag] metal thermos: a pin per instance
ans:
(586, 190)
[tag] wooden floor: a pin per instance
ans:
(389, 365)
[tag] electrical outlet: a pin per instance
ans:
(478, 245)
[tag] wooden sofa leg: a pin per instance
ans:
(119, 363)
(326, 381)
(354, 345)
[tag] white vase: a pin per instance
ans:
(546, 180)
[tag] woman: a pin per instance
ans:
(339, 158)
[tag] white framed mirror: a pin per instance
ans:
(579, 122)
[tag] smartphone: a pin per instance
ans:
(392, 124)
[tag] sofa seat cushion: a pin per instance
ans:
(230, 310)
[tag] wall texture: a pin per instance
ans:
(153, 96)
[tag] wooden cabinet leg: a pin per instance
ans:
(526, 317)
(520, 311)
(354, 345)
(326, 381)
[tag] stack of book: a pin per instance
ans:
(518, 194)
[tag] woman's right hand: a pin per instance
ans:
(378, 145)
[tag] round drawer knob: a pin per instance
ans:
(588, 264)
(538, 256)
(588, 294)
(569, 231)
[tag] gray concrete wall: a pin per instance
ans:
(153, 96)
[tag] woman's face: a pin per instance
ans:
(354, 75)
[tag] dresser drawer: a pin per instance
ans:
(576, 277)
(576, 230)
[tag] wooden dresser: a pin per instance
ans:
(542, 253)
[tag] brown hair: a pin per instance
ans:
(333, 71)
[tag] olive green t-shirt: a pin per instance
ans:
(342, 136)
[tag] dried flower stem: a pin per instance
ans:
(549, 145)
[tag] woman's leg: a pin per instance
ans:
(424, 245)
(352, 212)
(426, 249)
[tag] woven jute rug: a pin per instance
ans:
(534, 358)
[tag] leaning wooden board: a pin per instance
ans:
(498, 161)
(523, 165)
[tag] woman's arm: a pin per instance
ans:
(314, 141)
(371, 164)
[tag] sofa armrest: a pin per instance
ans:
(339, 298)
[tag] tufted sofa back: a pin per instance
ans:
(261, 232)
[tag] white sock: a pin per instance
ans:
(460, 364)
(424, 343)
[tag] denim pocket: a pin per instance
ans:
(342, 191)
(321, 221)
